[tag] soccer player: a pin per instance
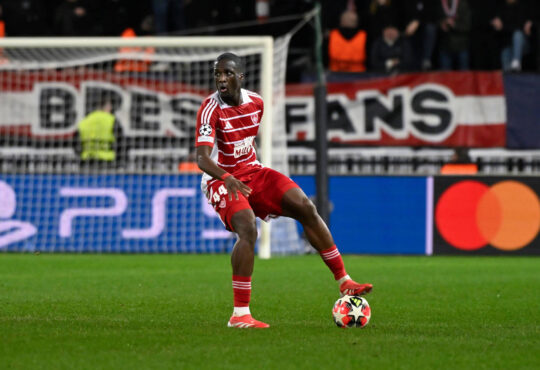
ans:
(240, 188)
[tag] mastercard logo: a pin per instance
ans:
(470, 215)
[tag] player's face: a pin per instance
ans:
(228, 81)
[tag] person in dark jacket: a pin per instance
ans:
(484, 47)
(455, 27)
(420, 29)
(513, 25)
(381, 13)
(26, 18)
(76, 18)
(391, 53)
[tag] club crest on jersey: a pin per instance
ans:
(254, 118)
(243, 147)
(205, 129)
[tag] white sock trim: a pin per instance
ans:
(344, 279)
(241, 311)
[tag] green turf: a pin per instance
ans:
(170, 312)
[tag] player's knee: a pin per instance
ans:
(307, 210)
(245, 226)
(248, 232)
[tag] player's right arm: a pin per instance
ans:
(206, 164)
(204, 143)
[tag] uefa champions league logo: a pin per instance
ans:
(11, 231)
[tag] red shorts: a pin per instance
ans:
(267, 189)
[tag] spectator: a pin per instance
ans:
(232, 11)
(421, 30)
(118, 15)
(484, 47)
(333, 9)
(536, 27)
(76, 18)
(26, 18)
(347, 45)
(513, 25)
(455, 26)
(391, 53)
(381, 13)
(169, 15)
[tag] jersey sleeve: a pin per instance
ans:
(207, 118)
(261, 107)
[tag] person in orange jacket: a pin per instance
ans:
(347, 45)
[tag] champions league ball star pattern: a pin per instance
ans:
(205, 130)
(351, 312)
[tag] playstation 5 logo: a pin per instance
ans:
(11, 231)
(118, 207)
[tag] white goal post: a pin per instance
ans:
(29, 62)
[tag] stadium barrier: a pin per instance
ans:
(410, 215)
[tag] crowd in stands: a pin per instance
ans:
(411, 35)
(385, 36)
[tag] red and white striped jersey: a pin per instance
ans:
(230, 131)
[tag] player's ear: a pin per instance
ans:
(241, 76)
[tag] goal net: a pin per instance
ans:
(131, 185)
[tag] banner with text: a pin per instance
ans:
(431, 109)
(427, 109)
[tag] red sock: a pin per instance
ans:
(241, 290)
(333, 260)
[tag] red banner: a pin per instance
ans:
(433, 109)
(428, 109)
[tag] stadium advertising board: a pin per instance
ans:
(369, 214)
(376, 215)
(446, 109)
(486, 215)
(168, 214)
(113, 213)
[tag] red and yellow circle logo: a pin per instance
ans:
(470, 215)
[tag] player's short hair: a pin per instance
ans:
(233, 57)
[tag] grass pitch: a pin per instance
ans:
(170, 311)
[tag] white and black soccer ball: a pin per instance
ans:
(351, 311)
(205, 130)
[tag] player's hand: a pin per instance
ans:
(234, 186)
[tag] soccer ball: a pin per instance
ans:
(351, 311)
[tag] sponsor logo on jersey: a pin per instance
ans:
(243, 147)
(228, 126)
